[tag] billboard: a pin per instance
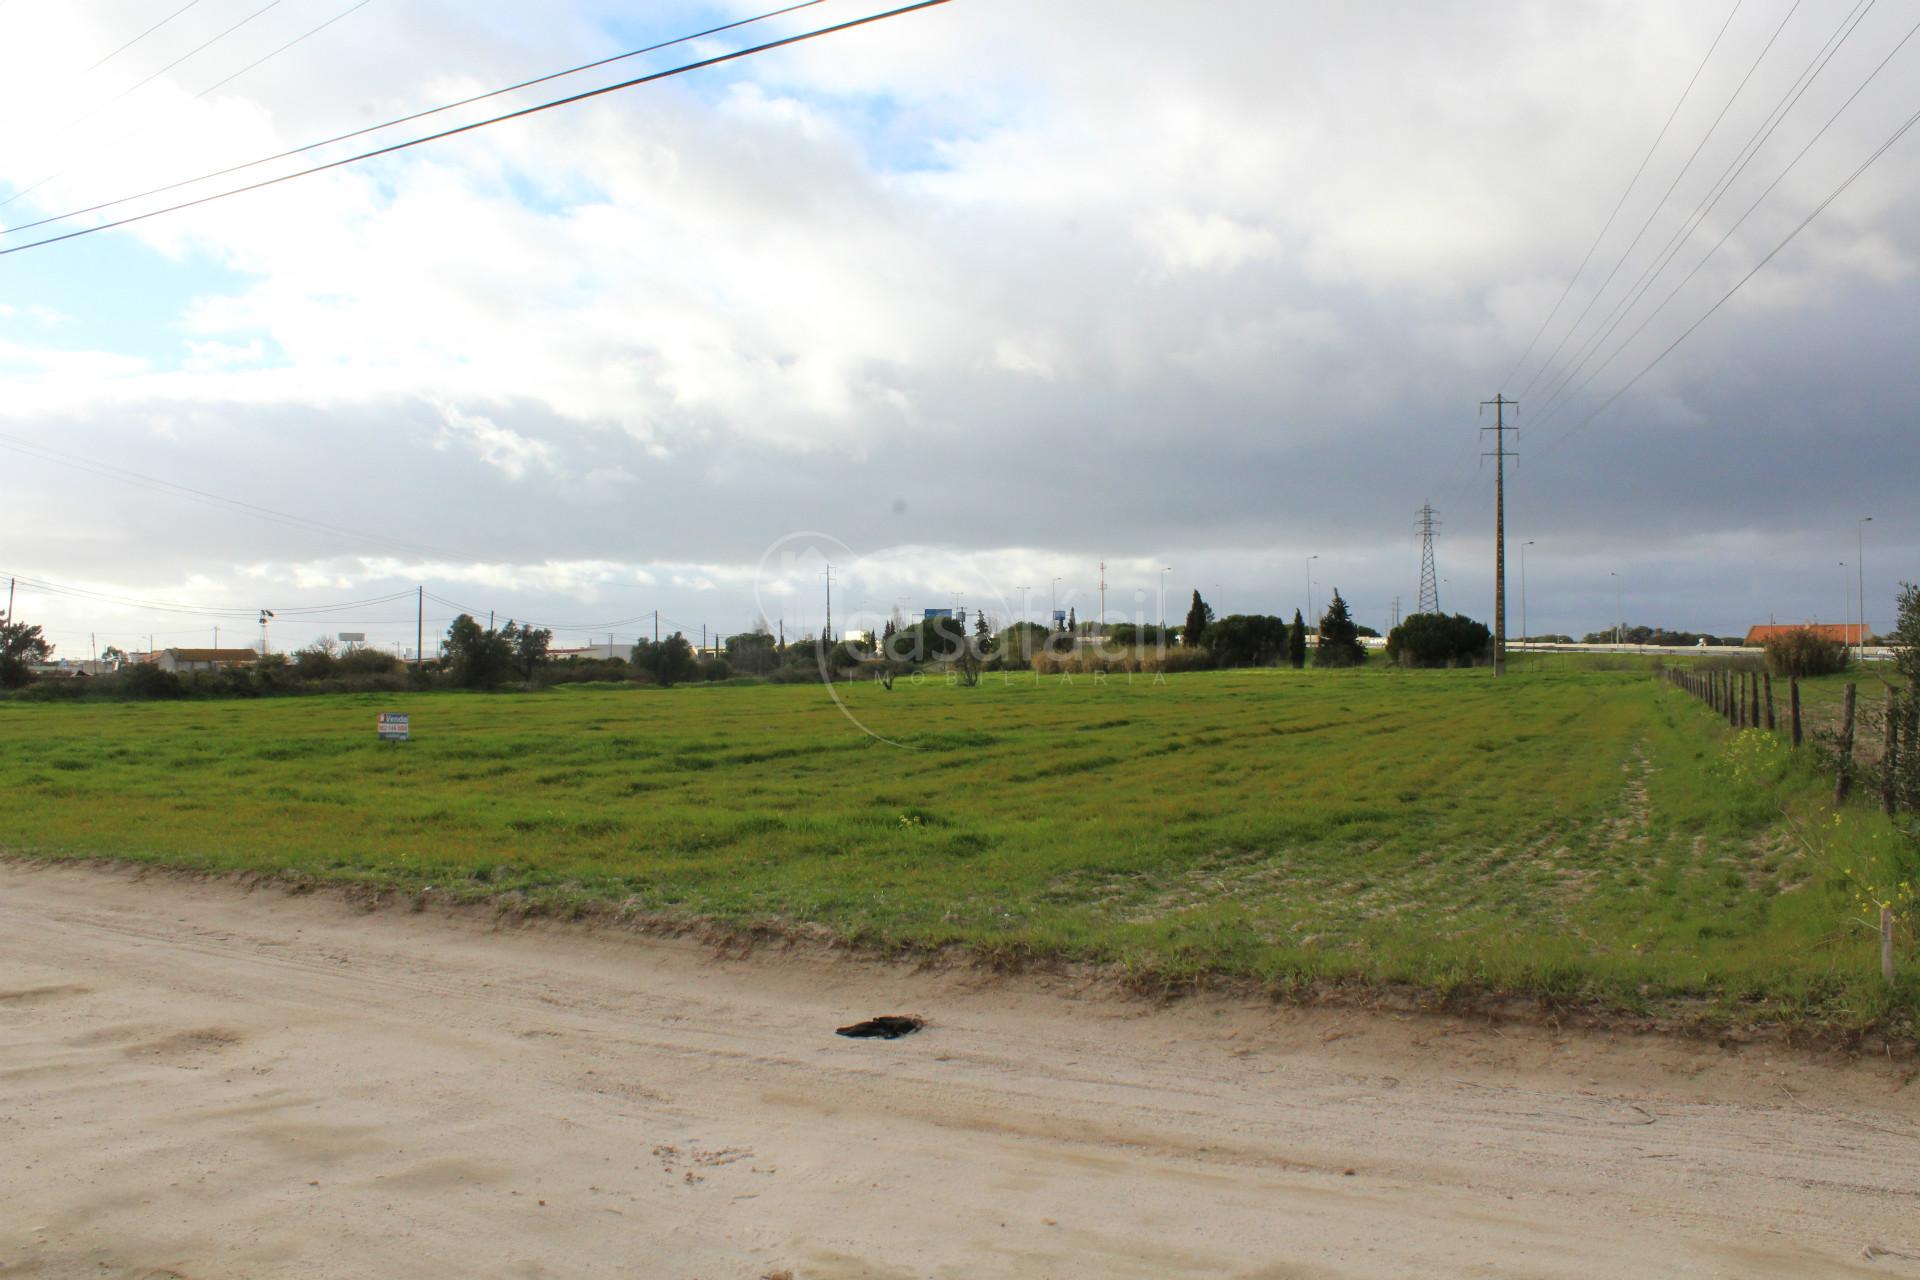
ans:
(931, 614)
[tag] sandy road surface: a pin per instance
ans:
(200, 1081)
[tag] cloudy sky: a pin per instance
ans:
(967, 302)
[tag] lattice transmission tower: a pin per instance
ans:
(1429, 580)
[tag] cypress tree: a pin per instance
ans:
(1297, 642)
(1198, 616)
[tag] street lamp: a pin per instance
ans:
(1056, 604)
(1860, 572)
(1619, 610)
(1523, 590)
(264, 615)
(1163, 602)
(1310, 560)
(1846, 589)
(1023, 603)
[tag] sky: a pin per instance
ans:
(966, 304)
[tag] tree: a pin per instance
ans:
(1297, 642)
(20, 644)
(113, 653)
(982, 632)
(668, 661)
(937, 639)
(1339, 639)
(1020, 641)
(752, 652)
(1199, 616)
(1437, 640)
(476, 655)
(1906, 635)
(526, 648)
(1073, 622)
(1247, 640)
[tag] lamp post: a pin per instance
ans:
(1023, 603)
(1619, 609)
(1860, 574)
(1523, 591)
(264, 615)
(1163, 602)
(1846, 589)
(1056, 604)
(1310, 560)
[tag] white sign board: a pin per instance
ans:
(352, 637)
(392, 726)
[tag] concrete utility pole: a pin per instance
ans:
(1163, 597)
(420, 626)
(1103, 598)
(10, 582)
(656, 626)
(1310, 560)
(1500, 453)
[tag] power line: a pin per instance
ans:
(1617, 314)
(1621, 202)
(129, 476)
(136, 87)
(1738, 223)
(218, 84)
(400, 120)
(47, 587)
(1661, 203)
(137, 39)
(481, 124)
(1771, 254)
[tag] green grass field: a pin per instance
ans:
(1586, 835)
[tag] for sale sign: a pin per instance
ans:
(392, 726)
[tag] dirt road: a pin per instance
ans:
(200, 1081)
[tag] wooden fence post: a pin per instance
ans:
(1733, 702)
(1769, 679)
(1793, 709)
(1890, 755)
(1843, 781)
(1753, 701)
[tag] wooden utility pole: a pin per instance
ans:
(1500, 453)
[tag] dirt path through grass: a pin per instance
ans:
(205, 1081)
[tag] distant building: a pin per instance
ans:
(605, 649)
(1844, 632)
(204, 659)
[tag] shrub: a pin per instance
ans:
(1805, 652)
(714, 669)
(144, 680)
(1438, 640)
